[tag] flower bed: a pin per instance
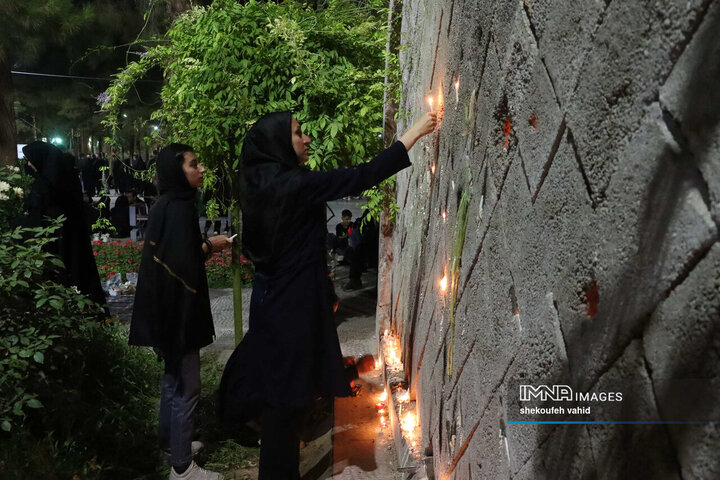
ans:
(117, 257)
(124, 257)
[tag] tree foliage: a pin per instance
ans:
(228, 64)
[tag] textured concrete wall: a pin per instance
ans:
(586, 137)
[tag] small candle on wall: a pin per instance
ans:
(457, 90)
(444, 283)
(430, 102)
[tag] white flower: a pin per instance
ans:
(4, 186)
(4, 197)
(75, 288)
(15, 169)
(18, 191)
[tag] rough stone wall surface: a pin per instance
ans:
(586, 137)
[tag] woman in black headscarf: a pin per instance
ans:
(56, 191)
(291, 354)
(172, 304)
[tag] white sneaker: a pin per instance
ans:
(194, 472)
(195, 447)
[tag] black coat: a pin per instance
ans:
(291, 353)
(56, 191)
(172, 303)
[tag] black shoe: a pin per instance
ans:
(353, 284)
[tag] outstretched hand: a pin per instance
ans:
(426, 124)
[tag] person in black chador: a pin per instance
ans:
(291, 354)
(172, 303)
(56, 191)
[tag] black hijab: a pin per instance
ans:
(269, 166)
(172, 304)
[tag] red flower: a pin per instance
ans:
(248, 276)
(95, 253)
(116, 263)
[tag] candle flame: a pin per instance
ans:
(444, 283)
(408, 423)
(386, 332)
(432, 169)
(444, 215)
(383, 396)
(457, 83)
(430, 101)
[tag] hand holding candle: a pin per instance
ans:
(426, 124)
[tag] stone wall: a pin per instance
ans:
(585, 146)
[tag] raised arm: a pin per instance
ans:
(320, 187)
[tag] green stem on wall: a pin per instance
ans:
(460, 228)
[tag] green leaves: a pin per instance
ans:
(34, 313)
(228, 64)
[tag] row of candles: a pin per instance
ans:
(406, 412)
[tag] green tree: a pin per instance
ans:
(230, 63)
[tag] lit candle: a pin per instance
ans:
(408, 423)
(383, 396)
(430, 102)
(443, 283)
(457, 90)
(380, 406)
(432, 169)
(444, 215)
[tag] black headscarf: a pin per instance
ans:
(56, 191)
(269, 166)
(172, 304)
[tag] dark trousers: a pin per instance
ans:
(280, 443)
(180, 394)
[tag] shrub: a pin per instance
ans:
(219, 270)
(13, 185)
(75, 399)
(124, 257)
(117, 257)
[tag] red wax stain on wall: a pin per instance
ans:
(533, 122)
(507, 130)
(592, 295)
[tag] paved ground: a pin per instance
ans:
(360, 448)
